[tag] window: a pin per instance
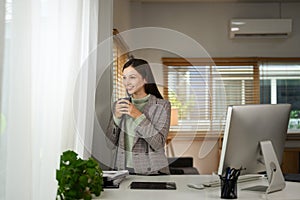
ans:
(202, 89)
(279, 83)
(120, 54)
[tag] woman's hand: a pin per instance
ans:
(123, 106)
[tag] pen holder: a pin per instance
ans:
(228, 188)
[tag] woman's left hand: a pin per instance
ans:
(133, 111)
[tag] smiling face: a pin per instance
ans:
(134, 82)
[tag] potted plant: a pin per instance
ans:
(78, 178)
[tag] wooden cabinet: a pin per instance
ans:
(291, 156)
(290, 160)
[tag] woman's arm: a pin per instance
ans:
(113, 130)
(154, 128)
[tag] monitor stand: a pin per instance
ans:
(274, 173)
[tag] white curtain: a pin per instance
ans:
(47, 96)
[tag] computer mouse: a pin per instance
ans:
(196, 186)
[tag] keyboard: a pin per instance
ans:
(241, 179)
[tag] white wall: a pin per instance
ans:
(208, 23)
(121, 14)
(100, 151)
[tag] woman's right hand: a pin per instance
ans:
(121, 107)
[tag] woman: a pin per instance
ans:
(140, 125)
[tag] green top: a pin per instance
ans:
(130, 125)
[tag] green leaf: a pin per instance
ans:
(87, 197)
(91, 163)
(91, 172)
(58, 175)
(83, 180)
(69, 156)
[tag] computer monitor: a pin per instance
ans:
(254, 139)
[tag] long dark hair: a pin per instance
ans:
(143, 68)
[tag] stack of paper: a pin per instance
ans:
(112, 179)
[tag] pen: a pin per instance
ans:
(227, 174)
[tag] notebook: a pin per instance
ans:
(153, 185)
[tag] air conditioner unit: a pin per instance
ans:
(260, 28)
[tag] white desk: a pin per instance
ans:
(183, 192)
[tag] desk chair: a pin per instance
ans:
(292, 177)
(182, 165)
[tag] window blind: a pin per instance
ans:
(202, 92)
(120, 55)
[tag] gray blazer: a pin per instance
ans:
(148, 153)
